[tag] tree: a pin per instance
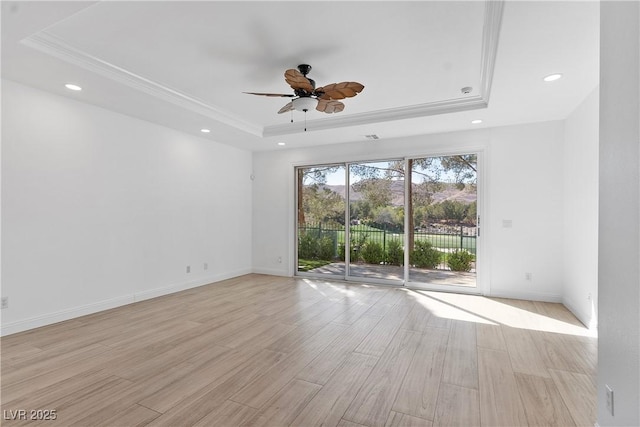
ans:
(323, 205)
(316, 175)
(377, 192)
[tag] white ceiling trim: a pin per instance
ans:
(46, 42)
(400, 113)
(54, 46)
(490, 37)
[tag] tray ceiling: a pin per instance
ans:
(186, 64)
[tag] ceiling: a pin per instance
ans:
(185, 65)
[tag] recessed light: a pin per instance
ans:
(71, 86)
(552, 77)
(282, 144)
(476, 121)
(205, 130)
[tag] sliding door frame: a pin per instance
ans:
(482, 257)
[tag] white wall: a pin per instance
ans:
(619, 214)
(524, 184)
(101, 209)
(580, 290)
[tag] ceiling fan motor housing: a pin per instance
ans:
(304, 69)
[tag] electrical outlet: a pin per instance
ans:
(206, 266)
(609, 399)
(528, 276)
(4, 302)
(188, 269)
(279, 260)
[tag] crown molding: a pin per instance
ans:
(46, 42)
(490, 38)
(400, 113)
(56, 47)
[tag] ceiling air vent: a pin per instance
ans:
(372, 137)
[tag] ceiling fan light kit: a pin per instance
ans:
(304, 103)
(307, 96)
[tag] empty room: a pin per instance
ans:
(320, 213)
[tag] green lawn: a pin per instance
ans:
(310, 264)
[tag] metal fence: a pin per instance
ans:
(444, 238)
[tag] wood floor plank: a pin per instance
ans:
(374, 400)
(46, 360)
(259, 391)
(461, 359)
(328, 406)
(261, 349)
(257, 334)
(321, 368)
(490, 336)
(53, 394)
(229, 414)
(55, 375)
(82, 410)
(134, 416)
(352, 313)
(345, 423)
(213, 371)
(282, 409)
(398, 419)
(578, 392)
(543, 403)
(418, 393)
(418, 319)
(457, 406)
(523, 352)
(566, 353)
(378, 339)
(500, 403)
(195, 407)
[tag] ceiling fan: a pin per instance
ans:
(307, 96)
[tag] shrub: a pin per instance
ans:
(372, 253)
(460, 260)
(312, 247)
(395, 253)
(424, 255)
(326, 248)
(306, 244)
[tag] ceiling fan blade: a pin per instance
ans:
(297, 80)
(329, 106)
(271, 94)
(286, 108)
(339, 90)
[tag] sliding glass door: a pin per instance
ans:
(443, 221)
(321, 213)
(376, 220)
(411, 221)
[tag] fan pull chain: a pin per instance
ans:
(291, 116)
(305, 120)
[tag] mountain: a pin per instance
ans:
(449, 191)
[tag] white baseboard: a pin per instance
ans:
(531, 296)
(72, 313)
(586, 318)
(271, 272)
(62, 315)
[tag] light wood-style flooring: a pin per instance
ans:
(262, 350)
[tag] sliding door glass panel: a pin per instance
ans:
(321, 220)
(443, 220)
(376, 224)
